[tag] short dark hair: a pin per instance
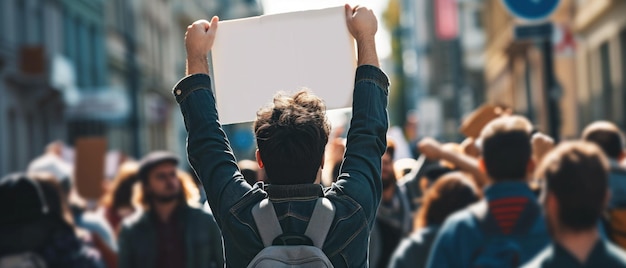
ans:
(606, 135)
(450, 193)
(291, 134)
(506, 147)
(577, 174)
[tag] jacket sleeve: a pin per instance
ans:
(217, 246)
(124, 247)
(443, 248)
(208, 148)
(366, 143)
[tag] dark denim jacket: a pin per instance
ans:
(356, 194)
(462, 237)
(203, 245)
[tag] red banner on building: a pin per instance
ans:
(446, 19)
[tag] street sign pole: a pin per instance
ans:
(551, 89)
(534, 11)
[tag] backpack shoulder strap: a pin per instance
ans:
(266, 221)
(320, 221)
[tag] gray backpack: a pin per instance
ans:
(289, 249)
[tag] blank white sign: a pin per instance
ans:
(256, 57)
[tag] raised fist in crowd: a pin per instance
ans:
(361, 22)
(200, 36)
(430, 148)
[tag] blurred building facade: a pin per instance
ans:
(600, 26)
(76, 68)
(51, 51)
(515, 69)
(439, 54)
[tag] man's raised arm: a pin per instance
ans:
(363, 25)
(361, 168)
(199, 40)
(208, 148)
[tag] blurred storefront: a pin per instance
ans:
(515, 69)
(76, 68)
(600, 26)
(49, 51)
(438, 55)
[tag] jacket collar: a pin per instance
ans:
(295, 191)
(507, 189)
(179, 214)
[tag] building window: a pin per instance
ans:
(20, 19)
(93, 45)
(70, 41)
(38, 21)
(80, 46)
(606, 83)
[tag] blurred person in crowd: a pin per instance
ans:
(411, 132)
(249, 170)
(51, 162)
(610, 140)
(59, 204)
(453, 148)
(431, 174)
(451, 192)
(189, 183)
(452, 156)
(291, 135)
(118, 201)
(170, 231)
(333, 156)
(506, 228)
(90, 219)
(403, 149)
(394, 216)
(574, 196)
(403, 166)
(37, 227)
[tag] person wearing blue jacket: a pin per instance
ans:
(506, 228)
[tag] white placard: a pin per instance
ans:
(256, 57)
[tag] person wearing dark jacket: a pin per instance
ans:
(291, 135)
(508, 222)
(171, 232)
(450, 193)
(36, 226)
(575, 194)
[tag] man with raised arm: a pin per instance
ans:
(291, 134)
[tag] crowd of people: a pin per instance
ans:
(506, 197)
(151, 215)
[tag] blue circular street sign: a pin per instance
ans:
(531, 9)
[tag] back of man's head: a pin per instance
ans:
(606, 135)
(576, 173)
(506, 148)
(291, 135)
